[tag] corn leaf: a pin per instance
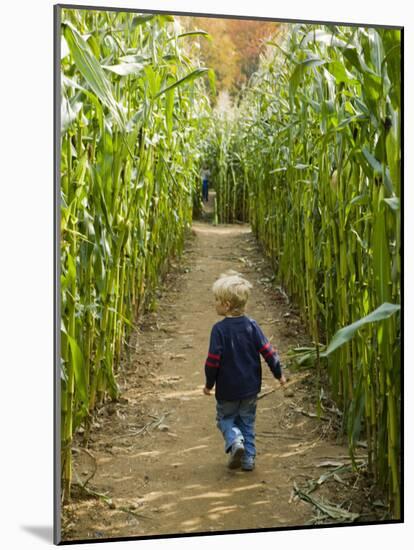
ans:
(92, 71)
(345, 334)
(142, 19)
(78, 367)
(186, 79)
(195, 33)
(124, 69)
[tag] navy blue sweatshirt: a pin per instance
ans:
(233, 363)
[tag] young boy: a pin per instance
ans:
(233, 366)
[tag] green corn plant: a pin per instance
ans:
(317, 139)
(133, 106)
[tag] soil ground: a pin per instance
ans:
(156, 453)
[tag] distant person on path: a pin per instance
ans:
(233, 366)
(205, 175)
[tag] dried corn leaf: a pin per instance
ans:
(332, 511)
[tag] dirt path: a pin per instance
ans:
(158, 453)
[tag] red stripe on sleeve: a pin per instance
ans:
(264, 347)
(214, 356)
(212, 365)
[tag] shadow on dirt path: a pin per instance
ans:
(157, 452)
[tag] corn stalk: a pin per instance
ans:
(317, 136)
(133, 106)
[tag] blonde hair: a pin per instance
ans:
(233, 288)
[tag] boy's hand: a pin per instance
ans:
(206, 391)
(282, 380)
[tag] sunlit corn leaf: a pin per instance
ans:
(139, 59)
(345, 334)
(393, 203)
(64, 48)
(324, 37)
(92, 71)
(69, 112)
(124, 69)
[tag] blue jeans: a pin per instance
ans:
(235, 420)
(205, 190)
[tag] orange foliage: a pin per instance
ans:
(234, 49)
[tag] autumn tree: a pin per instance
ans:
(234, 47)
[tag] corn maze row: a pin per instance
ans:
(311, 158)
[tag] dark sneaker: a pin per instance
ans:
(247, 464)
(236, 455)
